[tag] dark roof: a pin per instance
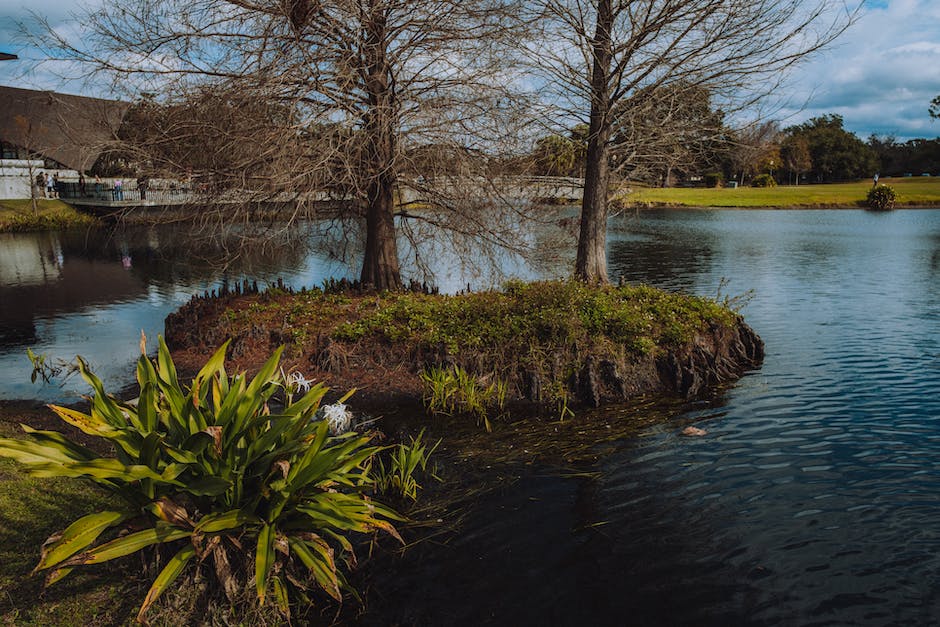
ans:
(71, 130)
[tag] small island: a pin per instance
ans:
(550, 344)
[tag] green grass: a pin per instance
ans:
(913, 191)
(50, 214)
(543, 314)
(30, 511)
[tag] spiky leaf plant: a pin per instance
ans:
(212, 478)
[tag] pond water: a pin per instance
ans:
(812, 500)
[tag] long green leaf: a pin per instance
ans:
(280, 596)
(32, 453)
(215, 364)
(92, 424)
(102, 468)
(167, 576)
(106, 405)
(264, 559)
(57, 440)
(78, 536)
(146, 408)
(128, 544)
(233, 519)
(207, 486)
(317, 556)
(254, 396)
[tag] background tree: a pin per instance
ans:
(555, 155)
(836, 154)
(666, 132)
(915, 156)
(934, 109)
(749, 148)
(596, 55)
(391, 74)
(795, 155)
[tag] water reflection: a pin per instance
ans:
(92, 292)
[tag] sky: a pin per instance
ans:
(880, 76)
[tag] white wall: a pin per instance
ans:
(15, 176)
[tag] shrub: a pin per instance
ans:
(714, 179)
(212, 475)
(882, 197)
(763, 180)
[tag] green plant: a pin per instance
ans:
(455, 391)
(398, 478)
(881, 197)
(763, 180)
(212, 475)
(47, 368)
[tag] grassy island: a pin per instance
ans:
(50, 214)
(556, 344)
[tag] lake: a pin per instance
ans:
(812, 500)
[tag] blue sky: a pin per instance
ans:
(880, 75)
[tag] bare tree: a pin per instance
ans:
(350, 90)
(25, 137)
(602, 57)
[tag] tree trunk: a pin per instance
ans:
(380, 269)
(591, 263)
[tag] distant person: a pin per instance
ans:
(41, 184)
(49, 188)
(97, 186)
(118, 193)
(56, 186)
(81, 184)
(142, 184)
(875, 183)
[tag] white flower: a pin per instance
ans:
(337, 417)
(297, 381)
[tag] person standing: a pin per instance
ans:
(81, 184)
(142, 184)
(118, 193)
(49, 187)
(875, 183)
(97, 186)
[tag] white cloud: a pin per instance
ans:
(880, 76)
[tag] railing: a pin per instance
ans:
(106, 193)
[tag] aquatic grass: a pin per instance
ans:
(398, 476)
(452, 390)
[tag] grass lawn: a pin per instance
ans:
(30, 511)
(914, 191)
(18, 215)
